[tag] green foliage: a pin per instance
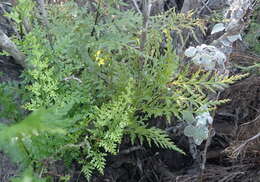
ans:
(178, 22)
(252, 38)
(217, 17)
(28, 176)
(29, 139)
(109, 122)
(253, 35)
(84, 62)
(191, 91)
(9, 108)
(44, 87)
(22, 14)
(152, 135)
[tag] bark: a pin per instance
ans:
(7, 45)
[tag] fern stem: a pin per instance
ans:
(96, 19)
(146, 13)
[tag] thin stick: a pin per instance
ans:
(208, 142)
(240, 147)
(136, 6)
(72, 78)
(204, 155)
(131, 149)
(96, 18)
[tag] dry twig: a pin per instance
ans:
(136, 6)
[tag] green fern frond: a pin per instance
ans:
(87, 170)
(15, 138)
(153, 136)
(98, 160)
(195, 88)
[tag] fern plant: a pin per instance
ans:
(94, 83)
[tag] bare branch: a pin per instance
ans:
(7, 45)
(72, 78)
(136, 6)
(238, 150)
(131, 149)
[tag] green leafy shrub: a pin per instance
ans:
(22, 15)
(26, 141)
(88, 66)
(253, 35)
(9, 104)
(252, 38)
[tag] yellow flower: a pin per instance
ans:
(98, 53)
(165, 31)
(101, 59)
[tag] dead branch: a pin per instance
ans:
(244, 55)
(131, 149)
(7, 45)
(137, 7)
(72, 78)
(205, 151)
(238, 150)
